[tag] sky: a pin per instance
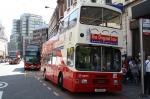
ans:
(13, 9)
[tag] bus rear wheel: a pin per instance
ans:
(60, 81)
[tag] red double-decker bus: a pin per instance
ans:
(32, 57)
(85, 54)
(14, 57)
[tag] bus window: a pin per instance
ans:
(61, 27)
(88, 58)
(58, 60)
(66, 21)
(50, 58)
(96, 58)
(73, 19)
(70, 56)
(111, 60)
(112, 18)
(91, 15)
(54, 58)
(100, 17)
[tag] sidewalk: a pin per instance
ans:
(133, 91)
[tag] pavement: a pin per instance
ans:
(133, 91)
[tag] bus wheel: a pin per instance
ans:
(60, 81)
(44, 75)
(25, 69)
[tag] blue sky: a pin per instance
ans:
(12, 9)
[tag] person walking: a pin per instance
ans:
(134, 71)
(147, 75)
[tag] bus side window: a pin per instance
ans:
(61, 27)
(53, 59)
(73, 19)
(70, 56)
(58, 60)
(66, 21)
(50, 58)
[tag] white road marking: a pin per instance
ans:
(40, 80)
(44, 84)
(56, 94)
(49, 88)
(1, 93)
(3, 84)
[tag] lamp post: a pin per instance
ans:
(142, 58)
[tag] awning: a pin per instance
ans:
(141, 10)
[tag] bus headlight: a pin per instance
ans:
(81, 34)
(115, 82)
(84, 81)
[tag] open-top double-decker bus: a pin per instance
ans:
(85, 54)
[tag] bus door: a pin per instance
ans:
(68, 77)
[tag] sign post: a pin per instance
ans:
(141, 51)
(144, 30)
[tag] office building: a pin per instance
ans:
(3, 42)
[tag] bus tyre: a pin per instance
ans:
(60, 81)
(44, 75)
(25, 69)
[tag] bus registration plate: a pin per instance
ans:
(100, 90)
(32, 66)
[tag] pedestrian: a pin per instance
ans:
(134, 70)
(126, 62)
(147, 75)
(129, 74)
(124, 72)
(139, 68)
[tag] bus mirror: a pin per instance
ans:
(61, 23)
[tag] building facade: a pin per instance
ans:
(15, 38)
(136, 11)
(3, 43)
(22, 31)
(29, 22)
(40, 35)
(133, 12)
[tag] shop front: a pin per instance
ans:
(139, 12)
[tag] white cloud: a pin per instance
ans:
(12, 9)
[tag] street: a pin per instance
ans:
(15, 83)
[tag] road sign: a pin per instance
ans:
(2, 85)
(146, 26)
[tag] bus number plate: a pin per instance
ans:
(100, 90)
